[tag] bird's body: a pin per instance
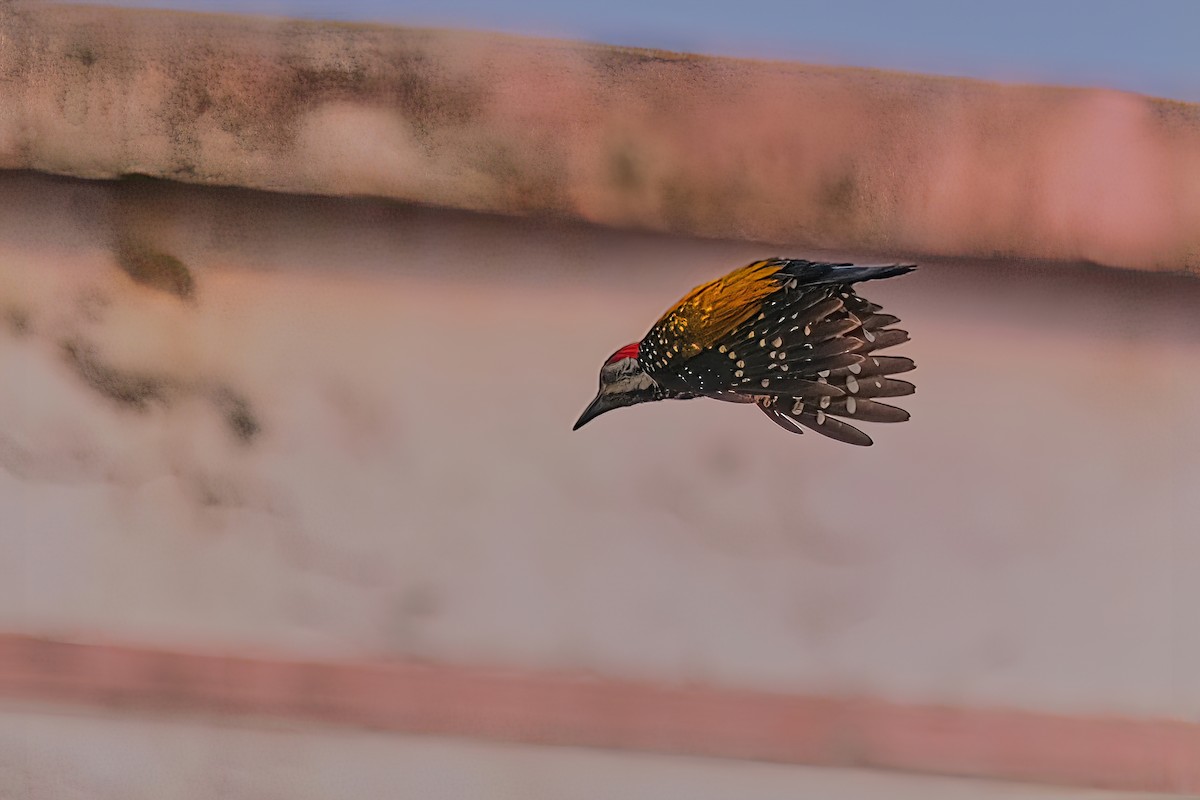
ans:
(791, 335)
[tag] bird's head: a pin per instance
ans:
(623, 382)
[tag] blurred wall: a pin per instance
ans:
(103, 757)
(349, 437)
(826, 157)
(331, 436)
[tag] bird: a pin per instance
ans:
(789, 335)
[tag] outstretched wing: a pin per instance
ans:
(710, 312)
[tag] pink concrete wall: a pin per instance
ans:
(835, 158)
(330, 438)
(351, 440)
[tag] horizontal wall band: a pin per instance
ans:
(563, 709)
(832, 158)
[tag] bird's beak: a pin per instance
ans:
(597, 407)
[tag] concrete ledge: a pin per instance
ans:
(565, 709)
(817, 157)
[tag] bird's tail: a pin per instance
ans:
(815, 273)
(867, 272)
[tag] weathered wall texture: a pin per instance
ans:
(717, 147)
(340, 428)
(352, 438)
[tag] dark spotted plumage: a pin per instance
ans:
(791, 335)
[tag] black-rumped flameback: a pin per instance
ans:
(789, 335)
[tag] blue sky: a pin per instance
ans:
(1151, 46)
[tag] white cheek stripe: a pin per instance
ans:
(631, 384)
(628, 383)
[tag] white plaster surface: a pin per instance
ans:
(46, 756)
(1029, 539)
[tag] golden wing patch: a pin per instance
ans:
(714, 309)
